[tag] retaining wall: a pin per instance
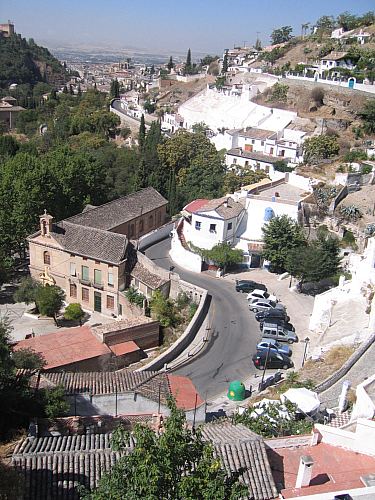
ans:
(183, 257)
(155, 236)
(333, 379)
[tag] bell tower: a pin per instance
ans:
(45, 221)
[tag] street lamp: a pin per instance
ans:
(265, 364)
(307, 340)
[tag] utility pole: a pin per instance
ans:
(265, 365)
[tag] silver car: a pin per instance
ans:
(264, 344)
(265, 305)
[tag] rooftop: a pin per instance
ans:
(117, 212)
(335, 56)
(227, 208)
(256, 133)
(286, 192)
(253, 155)
(66, 346)
(334, 469)
(124, 348)
(147, 277)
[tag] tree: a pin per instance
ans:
(208, 59)
(304, 28)
(223, 255)
(170, 64)
(281, 35)
(55, 403)
(8, 146)
(74, 312)
(188, 65)
(319, 148)
(280, 235)
(176, 464)
(315, 261)
(164, 310)
(149, 106)
(142, 132)
(239, 176)
(199, 128)
(27, 290)
(49, 300)
(347, 21)
(325, 24)
(115, 89)
(258, 45)
(367, 114)
(225, 63)
(28, 359)
(79, 91)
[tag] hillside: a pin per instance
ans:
(23, 61)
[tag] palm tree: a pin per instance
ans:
(304, 28)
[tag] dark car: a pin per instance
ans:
(270, 314)
(247, 286)
(275, 360)
(279, 322)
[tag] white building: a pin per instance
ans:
(335, 60)
(209, 222)
(360, 35)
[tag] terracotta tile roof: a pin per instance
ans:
(184, 392)
(147, 277)
(124, 348)
(54, 466)
(335, 56)
(240, 449)
(256, 133)
(104, 246)
(66, 346)
(117, 212)
(227, 208)
(252, 155)
(334, 469)
(195, 205)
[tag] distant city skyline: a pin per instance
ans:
(164, 26)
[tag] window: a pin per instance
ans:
(229, 226)
(141, 225)
(110, 278)
(47, 258)
(73, 271)
(73, 290)
(271, 151)
(110, 302)
(97, 276)
(234, 161)
(252, 141)
(151, 221)
(198, 225)
(85, 295)
(267, 169)
(246, 163)
(262, 143)
(85, 273)
(212, 228)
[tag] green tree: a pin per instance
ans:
(8, 146)
(49, 300)
(325, 24)
(208, 59)
(142, 132)
(149, 106)
(176, 464)
(199, 128)
(74, 312)
(170, 64)
(319, 148)
(188, 65)
(279, 93)
(347, 21)
(164, 310)
(281, 35)
(27, 290)
(157, 174)
(223, 255)
(115, 89)
(280, 236)
(56, 404)
(239, 176)
(225, 63)
(367, 114)
(28, 359)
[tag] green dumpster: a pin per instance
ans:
(236, 391)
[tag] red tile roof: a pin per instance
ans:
(195, 205)
(182, 388)
(66, 346)
(334, 469)
(124, 348)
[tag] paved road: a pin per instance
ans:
(235, 331)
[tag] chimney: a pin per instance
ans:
(304, 471)
(225, 203)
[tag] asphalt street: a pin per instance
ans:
(235, 332)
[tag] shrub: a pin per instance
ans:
(73, 312)
(351, 212)
(317, 94)
(28, 359)
(366, 169)
(279, 93)
(182, 300)
(355, 155)
(164, 310)
(56, 404)
(348, 240)
(282, 166)
(135, 297)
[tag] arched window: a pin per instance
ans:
(47, 258)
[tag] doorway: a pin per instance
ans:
(97, 302)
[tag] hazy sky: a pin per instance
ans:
(163, 25)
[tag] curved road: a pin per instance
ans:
(235, 332)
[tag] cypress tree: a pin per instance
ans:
(225, 63)
(170, 64)
(79, 90)
(142, 133)
(188, 63)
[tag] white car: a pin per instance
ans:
(260, 294)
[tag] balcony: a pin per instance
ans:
(98, 284)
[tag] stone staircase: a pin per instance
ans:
(181, 236)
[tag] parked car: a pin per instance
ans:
(274, 346)
(272, 313)
(278, 333)
(246, 286)
(277, 321)
(260, 294)
(275, 360)
(264, 305)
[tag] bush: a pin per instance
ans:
(164, 310)
(282, 166)
(135, 297)
(355, 156)
(182, 300)
(55, 402)
(366, 169)
(28, 359)
(279, 93)
(73, 312)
